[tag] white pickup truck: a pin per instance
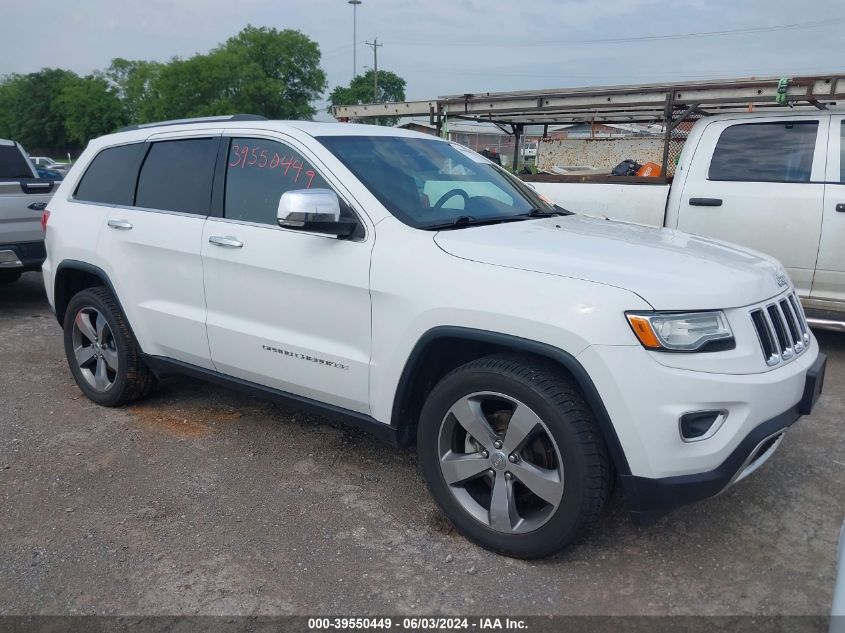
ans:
(771, 182)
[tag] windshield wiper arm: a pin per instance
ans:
(540, 213)
(468, 220)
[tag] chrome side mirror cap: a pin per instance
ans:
(303, 207)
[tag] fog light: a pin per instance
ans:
(701, 425)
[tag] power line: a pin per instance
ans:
(643, 38)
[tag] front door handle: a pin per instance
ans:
(120, 225)
(37, 206)
(225, 242)
(706, 202)
(841, 207)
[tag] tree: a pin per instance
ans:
(31, 111)
(279, 72)
(391, 87)
(91, 108)
(133, 82)
(259, 71)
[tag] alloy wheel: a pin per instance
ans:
(500, 462)
(95, 349)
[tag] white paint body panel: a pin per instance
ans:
(562, 281)
(640, 204)
(795, 223)
(829, 282)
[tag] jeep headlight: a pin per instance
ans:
(682, 332)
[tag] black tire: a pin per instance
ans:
(568, 421)
(132, 379)
(9, 276)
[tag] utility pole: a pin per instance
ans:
(354, 4)
(375, 46)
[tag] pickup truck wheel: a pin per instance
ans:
(9, 276)
(101, 350)
(511, 453)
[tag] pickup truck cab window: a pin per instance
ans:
(13, 164)
(772, 152)
(177, 176)
(427, 183)
(110, 177)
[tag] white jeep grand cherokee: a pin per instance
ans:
(414, 288)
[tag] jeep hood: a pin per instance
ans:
(671, 270)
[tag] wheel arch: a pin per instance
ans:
(444, 348)
(73, 276)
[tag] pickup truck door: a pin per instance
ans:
(23, 196)
(151, 250)
(760, 183)
(829, 282)
(287, 309)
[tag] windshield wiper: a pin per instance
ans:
(540, 213)
(468, 220)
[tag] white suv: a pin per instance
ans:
(414, 288)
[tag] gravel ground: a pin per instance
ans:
(203, 500)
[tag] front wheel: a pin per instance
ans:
(101, 351)
(511, 453)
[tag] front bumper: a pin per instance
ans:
(648, 498)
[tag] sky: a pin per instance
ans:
(447, 47)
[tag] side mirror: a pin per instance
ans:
(316, 210)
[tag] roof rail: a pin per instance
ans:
(201, 119)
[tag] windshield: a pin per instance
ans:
(429, 183)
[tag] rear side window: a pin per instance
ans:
(177, 176)
(110, 177)
(13, 164)
(258, 173)
(772, 152)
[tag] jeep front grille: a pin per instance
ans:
(782, 329)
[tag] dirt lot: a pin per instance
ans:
(202, 500)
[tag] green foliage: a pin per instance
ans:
(391, 87)
(133, 81)
(260, 71)
(91, 108)
(31, 109)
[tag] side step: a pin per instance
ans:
(826, 324)
(825, 319)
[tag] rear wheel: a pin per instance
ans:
(102, 352)
(510, 451)
(9, 276)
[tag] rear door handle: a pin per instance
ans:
(37, 206)
(706, 202)
(120, 225)
(225, 242)
(841, 207)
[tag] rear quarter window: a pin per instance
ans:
(110, 178)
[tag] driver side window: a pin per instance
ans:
(258, 172)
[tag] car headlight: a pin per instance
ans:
(682, 332)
